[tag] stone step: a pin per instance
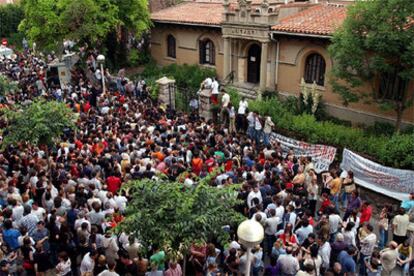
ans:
(248, 92)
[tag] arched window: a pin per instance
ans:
(171, 46)
(315, 69)
(207, 52)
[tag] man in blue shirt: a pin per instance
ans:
(347, 262)
(10, 235)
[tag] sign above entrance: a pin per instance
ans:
(240, 31)
(260, 33)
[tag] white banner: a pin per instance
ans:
(391, 182)
(322, 156)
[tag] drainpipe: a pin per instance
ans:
(277, 58)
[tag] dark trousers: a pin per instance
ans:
(399, 239)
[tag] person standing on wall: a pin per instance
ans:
(241, 123)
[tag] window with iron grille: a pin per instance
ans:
(171, 46)
(315, 69)
(207, 52)
(392, 86)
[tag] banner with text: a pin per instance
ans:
(322, 156)
(392, 182)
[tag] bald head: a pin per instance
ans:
(393, 245)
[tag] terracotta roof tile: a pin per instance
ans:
(321, 19)
(208, 13)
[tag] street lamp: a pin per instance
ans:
(101, 61)
(250, 234)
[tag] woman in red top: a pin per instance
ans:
(366, 212)
(325, 203)
(288, 238)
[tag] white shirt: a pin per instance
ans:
(40, 212)
(401, 224)
(252, 195)
(243, 105)
(215, 87)
(271, 225)
(106, 272)
(87, 265)
(334, 222)
(225, 100)
(368, 244)
(63, 268)
(325, 253)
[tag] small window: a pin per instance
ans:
(392, 86)
(315, 69)
(207, 52)
(171, 46)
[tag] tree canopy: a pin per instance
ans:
(375, 43)
(172, 216)
(49, 22)
(39, 123)
(10, 17)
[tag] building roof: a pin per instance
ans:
(200, 13)
(321, 19)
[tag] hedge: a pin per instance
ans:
(396, 150)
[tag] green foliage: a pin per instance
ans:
(381, 128)
(186, 76)
(40, 123)
(6, 86)
(136, 57)
(173, 216)
(376, 38)
(383, 148)
(10, 17)
(48, 22)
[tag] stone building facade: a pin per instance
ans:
(264, 45)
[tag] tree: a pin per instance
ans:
(10, 17)
(40, 123)
(375, 46)
(172, 216)
(6, 86)
(48, 22)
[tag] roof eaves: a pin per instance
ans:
(187, 23)
(302, 34)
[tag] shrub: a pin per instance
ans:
(394, 150)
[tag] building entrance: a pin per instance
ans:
(253, 64)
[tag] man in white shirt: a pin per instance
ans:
(400, 226)
(88, 263)
(255, 193)
(207, 83)
(225, 100)
(214, 91)
(334, 222)
(271, 224)
(241, 124)
(324, 252)
(367, 247)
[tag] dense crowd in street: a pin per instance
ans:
(59, 205)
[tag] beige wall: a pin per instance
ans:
(292, 55)
(187, 46)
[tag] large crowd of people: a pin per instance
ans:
(59, 204)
